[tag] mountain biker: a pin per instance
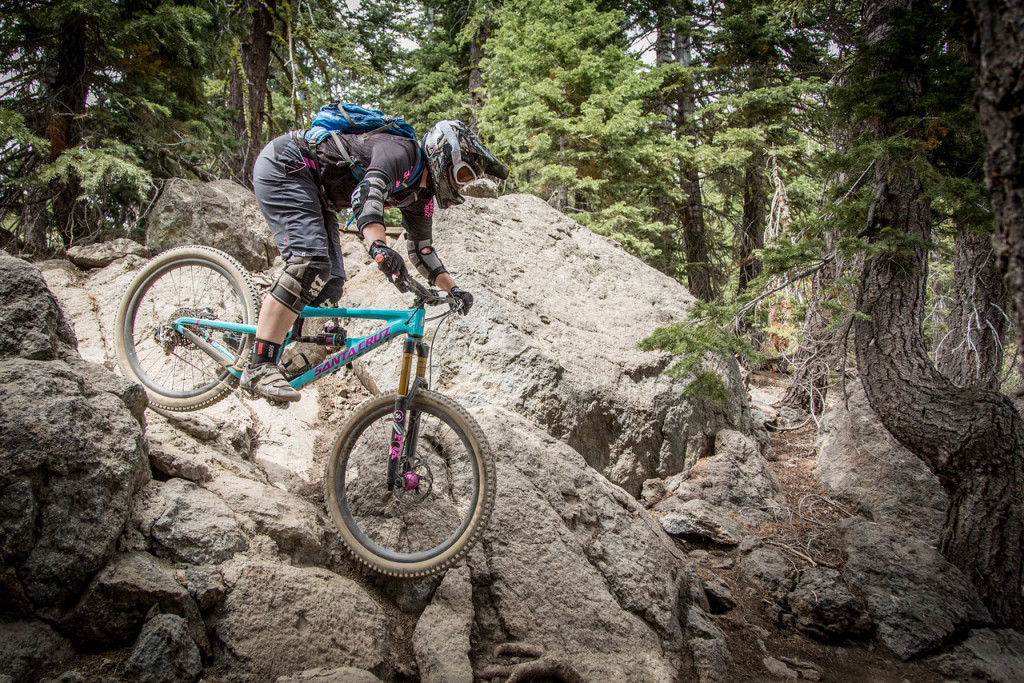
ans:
(299, 186)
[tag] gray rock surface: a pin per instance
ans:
(220, 214)
(441, 640)
(164, 653)
(278, 620)
(29, 648)
(770, 567)
(292, 523)
(859, 460)
(722, 496)
(917, 600)
(32, 324)
(572, 563)
(118, 599)
(991, 655)
(485, 188)
(186, 523)
(707, 644)
(102, 254)
(344, 674)
(72, 451)
(824, 607)
(553, 335)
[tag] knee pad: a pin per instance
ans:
(423, 256)
(301, 281)
(330, 295)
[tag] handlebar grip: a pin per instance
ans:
(379, 258)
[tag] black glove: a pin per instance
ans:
(388, 260)
(463, 300)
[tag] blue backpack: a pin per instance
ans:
(345, 117)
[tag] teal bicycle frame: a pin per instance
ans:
(408, 322)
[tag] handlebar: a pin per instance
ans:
(424, 295)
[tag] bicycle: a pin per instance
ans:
(183, 331)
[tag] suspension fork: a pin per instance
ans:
(406, 423)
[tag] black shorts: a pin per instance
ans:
(287, 196)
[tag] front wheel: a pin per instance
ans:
(426, 528)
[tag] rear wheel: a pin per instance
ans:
(187, 282)
(432, 524)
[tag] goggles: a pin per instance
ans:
(463, 173)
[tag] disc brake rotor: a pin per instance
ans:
(168, 336)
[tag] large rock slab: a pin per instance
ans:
(29, 648)
(116, 603)
(991, 655)
(102, 254)
(917, 599)
(72, 454)
(186, 523)
(558, 314)
(441, 640)
(280, 620)
(572, 564)
(32, 324)
(220, 214)
(859, 460)
(723, 497)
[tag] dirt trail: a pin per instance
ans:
(756, 629)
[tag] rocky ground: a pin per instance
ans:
(639, 535)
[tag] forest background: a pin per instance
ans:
(839, 184)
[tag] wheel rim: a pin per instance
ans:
(408, 526)
(164, 361)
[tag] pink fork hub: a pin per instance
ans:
(412, 480)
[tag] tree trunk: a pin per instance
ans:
(63, 129)
(476, 79)
(248, 87)
(35, 221)
(992, 29)
(971, 353)
(972, 438)
(695, 239)
(752, 236)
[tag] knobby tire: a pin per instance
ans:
(456, 456)
(193, 281)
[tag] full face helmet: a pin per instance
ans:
(456, 157)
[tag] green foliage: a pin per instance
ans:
(565, 104)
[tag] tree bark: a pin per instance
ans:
(994, 32)
(971, 353)
(695, 239)
(248, 87)
(752, 235)
(63, 129)
(972, 438)
(476, 78)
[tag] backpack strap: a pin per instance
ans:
(348, 157)
(308, 151)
